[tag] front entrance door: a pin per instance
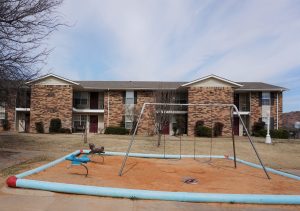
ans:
(166, 129)
(27, 122)
(93, 124)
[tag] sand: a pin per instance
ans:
(215, 176)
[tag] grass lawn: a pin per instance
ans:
(282, 154)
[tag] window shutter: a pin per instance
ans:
(272, 123)
(260, 98)
(135, 97)
(272, 98)
(124, 97)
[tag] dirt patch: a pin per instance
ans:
(216, 176)
(7, 154)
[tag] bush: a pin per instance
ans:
(203, 131)
(55, 126)
(197, 125)
(260, 133)
(39, 126)
(5, 124)
(258, 129)
(116, 131)
(280, 133)
(65, 130)
(218, 129)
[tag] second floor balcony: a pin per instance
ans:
(242, 101)
(88, 100)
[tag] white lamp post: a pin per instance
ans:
(268, 137)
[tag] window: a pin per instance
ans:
(80, 99)
(130, 97)
(79, 121)
(266, 98)
(2, 112)
(128, 125)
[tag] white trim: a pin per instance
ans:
(266, 90)
(22, 109)
(92, 111)
(242, 113)
(212, 76)
(52, 75)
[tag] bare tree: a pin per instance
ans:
(162, 111)
(24, 26)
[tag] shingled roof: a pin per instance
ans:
(119, 85)
(154, 85)
(259, 86)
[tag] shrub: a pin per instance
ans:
(5, 124)
(65, 130)
(39, 126)
(218, 128)
(260, 133)
(258, 129)
(116, 131)
(198, 124)
(55, 126)
(280, 133)
(203, 131)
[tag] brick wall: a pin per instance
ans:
(209, 115)
(51, 101)
(116, 108)
(255, 108)
(274, 110)
(146, 126)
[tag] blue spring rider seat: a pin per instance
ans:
(79, 161)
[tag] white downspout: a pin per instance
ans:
(277, 111)
(107, 122)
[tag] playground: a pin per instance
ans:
(212, 176)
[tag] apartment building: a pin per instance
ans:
(99, 104)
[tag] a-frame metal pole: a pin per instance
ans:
(251, 142)
(232, 135)
(131, 142)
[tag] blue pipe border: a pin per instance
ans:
(156, 195)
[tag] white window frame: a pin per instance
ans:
(2, 112)
(82, 119)
(266, 98)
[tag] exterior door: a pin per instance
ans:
(94, 100)
(166, 129)
(27, 122)
(93, 124)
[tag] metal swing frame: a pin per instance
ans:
(232, 107)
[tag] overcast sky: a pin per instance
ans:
(181, 40)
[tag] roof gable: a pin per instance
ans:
(52, 79)
(211, 81)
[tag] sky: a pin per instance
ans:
(180, 40)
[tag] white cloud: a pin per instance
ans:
(181, 39)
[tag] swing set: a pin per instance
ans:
(232, 110)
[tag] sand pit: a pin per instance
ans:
(216, 176)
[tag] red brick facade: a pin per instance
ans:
(146, 126)
(56, 101)
(210, 115)
(255, 107)
(114, 115)
(51, 101)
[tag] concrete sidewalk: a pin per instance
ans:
(34, 200)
